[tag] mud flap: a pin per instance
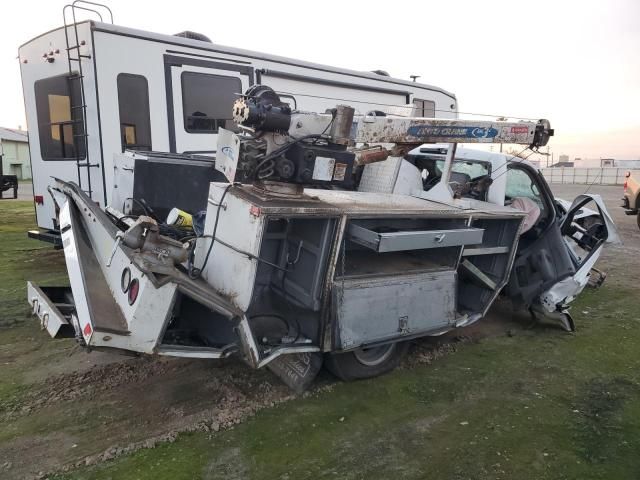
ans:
(297, 370)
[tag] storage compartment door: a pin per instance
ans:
(385, 308)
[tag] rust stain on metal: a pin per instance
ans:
(371, 155)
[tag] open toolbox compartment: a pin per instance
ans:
(413, 239)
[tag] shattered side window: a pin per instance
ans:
(520, 184)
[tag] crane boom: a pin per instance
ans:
(304, 147)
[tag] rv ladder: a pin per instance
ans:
(80, 139)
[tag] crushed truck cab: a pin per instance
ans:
(328, 243)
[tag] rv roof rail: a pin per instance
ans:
(87, 6)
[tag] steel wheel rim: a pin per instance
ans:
(374, 356)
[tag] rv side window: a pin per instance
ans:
(60, 126)
(424, 108)
(135, 120)
(207, 101)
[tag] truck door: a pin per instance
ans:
(555, 256)
(200, 96)
(542, 258)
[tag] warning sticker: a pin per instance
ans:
(340, 171)
(522, 129)
(323, 169)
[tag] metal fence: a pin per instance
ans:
(588, 176)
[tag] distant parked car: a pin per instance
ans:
(631, 200)
(7, 182)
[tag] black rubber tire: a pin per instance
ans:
(638, 219)
(348, 367)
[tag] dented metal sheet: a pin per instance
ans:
(231, 264)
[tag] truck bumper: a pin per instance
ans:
(53, 306)
(50, 236)
(627, 209)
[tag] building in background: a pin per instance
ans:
(563, 158)
(14, 148)
(607, 162)
(563, 165)
(630, 164)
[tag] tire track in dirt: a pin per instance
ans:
(151, 401)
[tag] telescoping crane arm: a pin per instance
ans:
(285, 144)
(417, 131)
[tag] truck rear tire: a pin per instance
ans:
(638, 219)
(366, 362)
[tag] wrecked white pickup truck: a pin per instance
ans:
(381, 247)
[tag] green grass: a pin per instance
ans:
(540, 404)
(22, 259)
(21, 343)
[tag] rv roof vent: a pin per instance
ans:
(193, 36)
(381, 72)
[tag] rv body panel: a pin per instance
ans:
(45, 69)
(157, 64)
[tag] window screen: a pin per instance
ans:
(207, 101)
(59, 112)
(135, 120)
(424, 108)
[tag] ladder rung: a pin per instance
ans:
(78, 135)
(88, 165)
(78, 106)
(75, 77)
(73, 47)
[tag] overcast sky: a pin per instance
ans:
(576, 63)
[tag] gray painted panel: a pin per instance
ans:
(382, 308)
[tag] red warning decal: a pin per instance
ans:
(522, 129)
(87, 330)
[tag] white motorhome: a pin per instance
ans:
(146, 91)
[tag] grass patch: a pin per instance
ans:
(23, 259)
(22, 345)
(540, 404)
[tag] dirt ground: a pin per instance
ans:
(64, 410)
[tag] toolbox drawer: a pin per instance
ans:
(413, 239)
